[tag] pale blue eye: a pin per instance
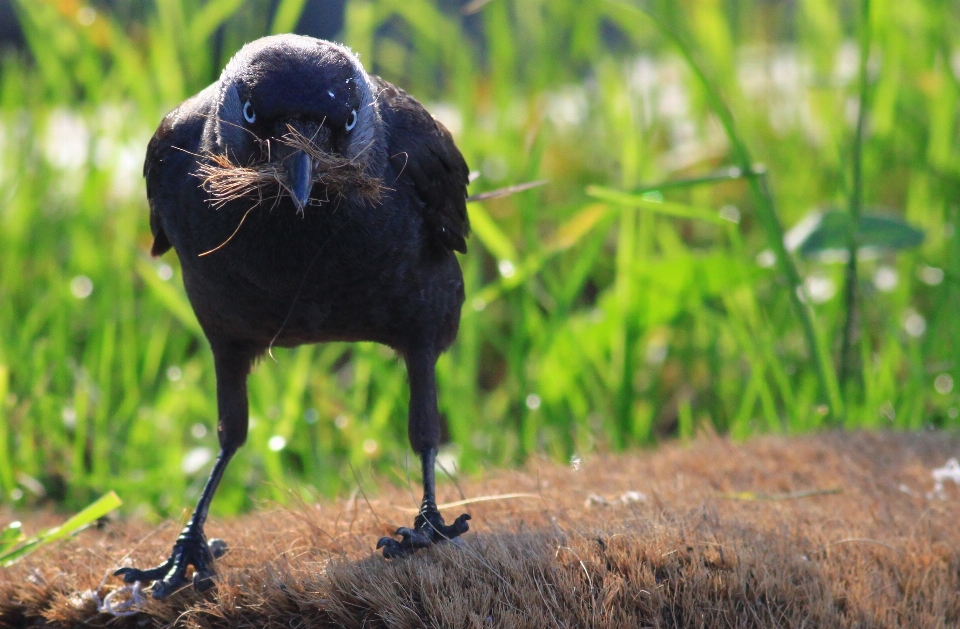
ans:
(353, 120)
(248, 114)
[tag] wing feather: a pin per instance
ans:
(169, 157)
(422, 151)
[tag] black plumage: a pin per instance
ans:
(295, 258)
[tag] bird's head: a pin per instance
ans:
(293, 112)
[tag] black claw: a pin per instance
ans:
(203, 580)
(458, 528)
(190, 550)
(415, 539)
(218, 547)
(130, 575)
(429, 528)
(171, 584)
(391, 547)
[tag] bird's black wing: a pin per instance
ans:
(170, 154)
(422, 151)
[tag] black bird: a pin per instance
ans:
(309, 201)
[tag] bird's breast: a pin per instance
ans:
(337, 271)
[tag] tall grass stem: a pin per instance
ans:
(766, 210)
(850, 333)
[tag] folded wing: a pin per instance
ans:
(422, 151)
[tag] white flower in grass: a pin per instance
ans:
(930, 275)
(730, 213)
(81, 286)
(943, 384)
(885, 279)
(914, 324)
(69, 416)
(820, 289)
(766, 259)
(195, 459)
(447, 459)
(941, 475)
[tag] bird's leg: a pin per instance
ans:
(191, 548)
(424, 432)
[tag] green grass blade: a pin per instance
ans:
(104, 505)
(211, 16)
(490, 235)
(10, 536)
(667, 208)
(763, 199)
(6, 458)
(287, 15)
(855, 206)
(169, 296)
(727, 174)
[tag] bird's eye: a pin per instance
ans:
(248, 114)
(353, 120)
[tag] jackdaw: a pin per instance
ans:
(309, 201)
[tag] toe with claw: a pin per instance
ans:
(429, 528)
(191, 549)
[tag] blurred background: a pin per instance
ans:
(711, 165)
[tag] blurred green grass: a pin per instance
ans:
(591, 322)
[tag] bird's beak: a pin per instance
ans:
(300, 177)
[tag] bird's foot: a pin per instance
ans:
(190, 549)
(428, 528)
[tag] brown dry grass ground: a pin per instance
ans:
(695, 553)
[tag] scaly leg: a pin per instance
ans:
(424, 433)
(191, 548)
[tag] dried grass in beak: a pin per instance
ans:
(227, 181)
